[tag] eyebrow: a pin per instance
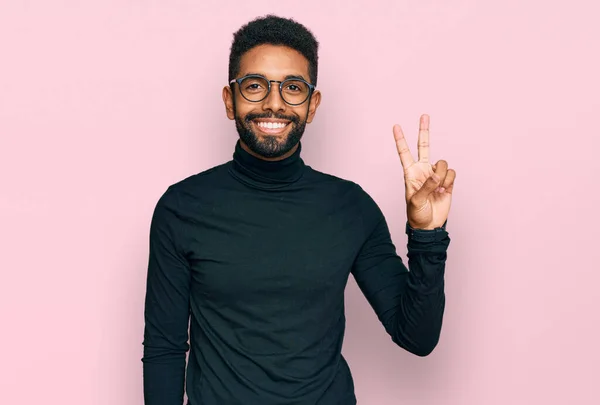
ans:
(285, 78)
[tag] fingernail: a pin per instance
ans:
(442, 189)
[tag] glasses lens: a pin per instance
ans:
(294, 91)
(254, 88)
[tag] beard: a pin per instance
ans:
(269, 146)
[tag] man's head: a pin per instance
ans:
(271, 123)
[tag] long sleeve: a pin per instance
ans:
(166, 310)
(410, 304)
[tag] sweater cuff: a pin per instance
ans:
(429, 235)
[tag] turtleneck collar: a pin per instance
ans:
(266, 174)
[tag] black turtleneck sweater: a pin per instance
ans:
(254, 256)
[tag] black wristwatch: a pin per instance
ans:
(427, 235)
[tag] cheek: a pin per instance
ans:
(241, 112)
(300, 112)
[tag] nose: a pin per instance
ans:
(274, 102)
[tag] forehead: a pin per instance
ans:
(274, 61)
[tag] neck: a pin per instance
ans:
(267, 173)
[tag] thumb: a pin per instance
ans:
(420, 197)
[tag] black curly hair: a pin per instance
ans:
(274, 30)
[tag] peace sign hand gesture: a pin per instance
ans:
(428, 187)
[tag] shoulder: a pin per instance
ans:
(347, 189)
(329, 181)
(200, 181)
(192, 189)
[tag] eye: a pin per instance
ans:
(295, 87)
(253, 86)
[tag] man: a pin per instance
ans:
(255, 253)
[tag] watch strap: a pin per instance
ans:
(427, 235)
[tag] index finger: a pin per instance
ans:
(403, 151)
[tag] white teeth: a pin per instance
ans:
(271, 125)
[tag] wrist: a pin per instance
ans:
(428, 227)
(432, 234)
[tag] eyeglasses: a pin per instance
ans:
(255, 88)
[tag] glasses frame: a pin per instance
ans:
(311, 88)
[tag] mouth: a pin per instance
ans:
(271, 126)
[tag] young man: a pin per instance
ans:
(255, 253)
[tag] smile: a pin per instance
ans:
(271, 127)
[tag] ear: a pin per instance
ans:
(315, 100)
(228, 101)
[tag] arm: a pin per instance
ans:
(409, 304)
(166, 310)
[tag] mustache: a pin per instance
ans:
(252, 116)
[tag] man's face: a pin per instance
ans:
(271, 128)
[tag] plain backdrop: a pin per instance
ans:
(104, 104)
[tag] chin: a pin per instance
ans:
(269, 145)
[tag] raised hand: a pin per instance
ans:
(428, 187)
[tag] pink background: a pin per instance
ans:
(103, 104)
